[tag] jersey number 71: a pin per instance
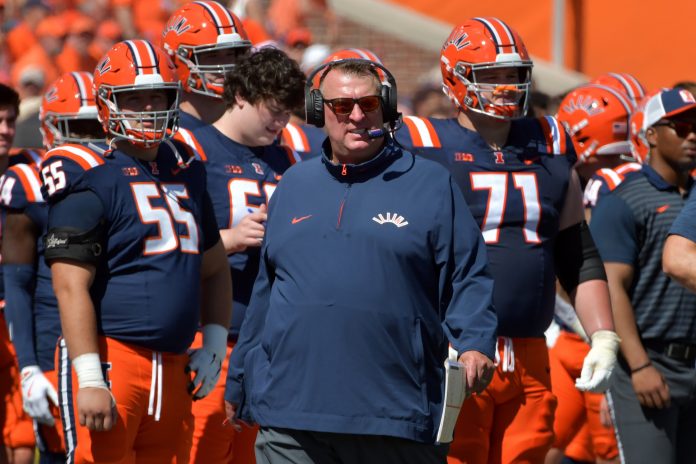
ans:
(496, 183)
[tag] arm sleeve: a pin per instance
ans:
(254, 318)
(685, 224)
(466, 287)
(211, 234)
(20, 280)
(614, 231)
(75, 228)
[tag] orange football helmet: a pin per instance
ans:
(132, 66)
(481, 44)
(68, 111)
(624, 83)
(596, 117)
(200, 28)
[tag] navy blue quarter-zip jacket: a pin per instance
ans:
(367, 272)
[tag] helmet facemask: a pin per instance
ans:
(481, 96)
(201, 79)
(141, 128)
(81, 127)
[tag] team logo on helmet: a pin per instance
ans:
(104, 66)
(458, 39)
(177, 24)
(586, 103)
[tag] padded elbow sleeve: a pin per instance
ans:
(576, 257)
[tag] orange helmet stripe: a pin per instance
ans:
(502, 35)
(144, 55)
(220, 15)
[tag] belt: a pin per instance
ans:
(676, 350)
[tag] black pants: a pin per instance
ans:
(286, 446)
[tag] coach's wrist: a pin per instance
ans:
(89, 371)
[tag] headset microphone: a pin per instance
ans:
(376, 133)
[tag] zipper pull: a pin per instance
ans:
(344, 171)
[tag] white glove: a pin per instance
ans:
(206, 362)
(36, 391)
(599, 362)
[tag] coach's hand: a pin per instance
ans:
(248, 233)
(36, 393)
(96, 408)
(479, 370)
(651, 388)
(599, 362)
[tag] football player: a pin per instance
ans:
(204, 40)
(134, 252)
(597, 119)
(68, 114)
(243, 166)
(517, 176)
(17, 429)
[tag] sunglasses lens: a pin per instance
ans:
(682, 128)
(342, 105)
(369, 103)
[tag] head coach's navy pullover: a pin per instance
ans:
(367, 272)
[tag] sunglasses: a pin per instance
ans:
(682, 128)
(344, 106)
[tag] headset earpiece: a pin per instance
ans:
(314, 101)
(314, 108)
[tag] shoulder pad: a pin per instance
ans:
(21, 185)
(422, 132)
(186, 137)
(295, 137)
(627, 168)
(611, 178)
(26, 156)
(554, 135)
(64, 165)
(84, 157)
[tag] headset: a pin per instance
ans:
(314, 100)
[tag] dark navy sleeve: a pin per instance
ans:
(81, 210)
(614, 231)
(211, 234)
(254, 319)
(685, 224)
(20, 280)
(466, 287)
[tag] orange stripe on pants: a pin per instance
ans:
(136, 436)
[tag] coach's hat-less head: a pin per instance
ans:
(666, 104)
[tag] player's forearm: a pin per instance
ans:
(593, 306)
(216, 288)
(77, 316)
(679, 261)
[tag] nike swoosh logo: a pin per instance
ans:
(295, 220)
(662, 209)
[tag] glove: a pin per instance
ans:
(599, 362)
(206, 362)
(36, 391)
